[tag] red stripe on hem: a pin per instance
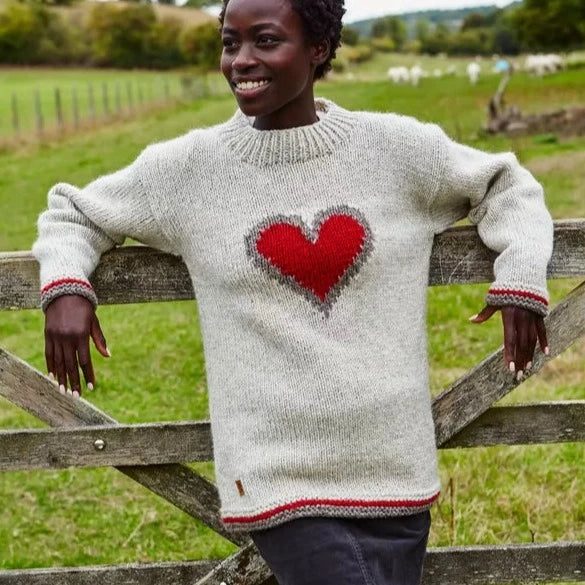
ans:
(519, 293)
(65, 281)
(340, 503)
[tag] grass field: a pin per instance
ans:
(501, 495)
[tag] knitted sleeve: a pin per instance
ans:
(81, 224)
(506, 203)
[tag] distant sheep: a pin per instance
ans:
(541, 65)
(399, 74)
(416, 73)
(473, 72)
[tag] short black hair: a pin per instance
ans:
(321, 22)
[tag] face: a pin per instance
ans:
(267, 60)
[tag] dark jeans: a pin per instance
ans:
(339, 551)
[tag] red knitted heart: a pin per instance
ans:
(317, 260)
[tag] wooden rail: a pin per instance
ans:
(463, 414)
(136, 274)
(182, 442)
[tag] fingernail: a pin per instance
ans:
(108, 352)
(52, 376)
(90, 386)
(528, 365)
(519, 375)
(62, 389)
(474, 317)
(512, 367)
(69, 392)
(75, 394)
(547, 350)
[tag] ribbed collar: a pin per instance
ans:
(269, 147)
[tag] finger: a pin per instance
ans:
(70, 356)
(98, 337)
(49, 356)
(542, 340)
(485, 314)
(84, 356)
(60, 367)
(532, 338)
(509, 339)
(521, 349)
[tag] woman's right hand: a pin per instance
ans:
(70, 320)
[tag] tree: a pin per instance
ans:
(350, 36)
(474, 20)
(121, 34)
(391, 27)
(199, 3)
(545, 25)
(422, 30)
(201, 45)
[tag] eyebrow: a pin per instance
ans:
(254, 28)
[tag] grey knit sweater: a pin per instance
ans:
(309, 253)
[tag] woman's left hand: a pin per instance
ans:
(522, 329)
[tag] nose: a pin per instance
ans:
(245, 59)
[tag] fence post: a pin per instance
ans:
(91, 101)
(38, 113)
(130, 96)
(75, 108)
(59, 109)
(105, 99)
(15, 118)
(118, 99)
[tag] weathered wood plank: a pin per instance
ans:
(490, 380)
(144, 444)
(490, 565)
(139, 274)
(526, 424)
(132, 574)
(26, 387)
(164, 443)
(474, 565)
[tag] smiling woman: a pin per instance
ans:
(273, 52)
(307, 231)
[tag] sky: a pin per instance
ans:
(362, 9)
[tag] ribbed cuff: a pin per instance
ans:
(518, 296)
(67, 286)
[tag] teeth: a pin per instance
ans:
(251, 84)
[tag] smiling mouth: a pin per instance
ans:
(250, 87)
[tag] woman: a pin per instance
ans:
(307, 231)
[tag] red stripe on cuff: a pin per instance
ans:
(340, 503)
(519, 293)
(65, 281)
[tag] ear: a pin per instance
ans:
(320, 52)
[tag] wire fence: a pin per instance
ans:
(45, 112)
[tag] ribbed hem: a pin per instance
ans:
(67, 286)
(518, 296)
(328, 507)
(268, 147)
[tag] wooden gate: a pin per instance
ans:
(463, 415)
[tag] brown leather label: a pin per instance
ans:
(240, 487)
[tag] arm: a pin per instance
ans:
(76, 229)
(507, 205)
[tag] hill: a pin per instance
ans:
(188, 16)
(452, 18)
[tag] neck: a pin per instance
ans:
(298, 112)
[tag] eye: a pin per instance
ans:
(267, 41)
(229, 44)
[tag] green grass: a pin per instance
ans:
(79, 517)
